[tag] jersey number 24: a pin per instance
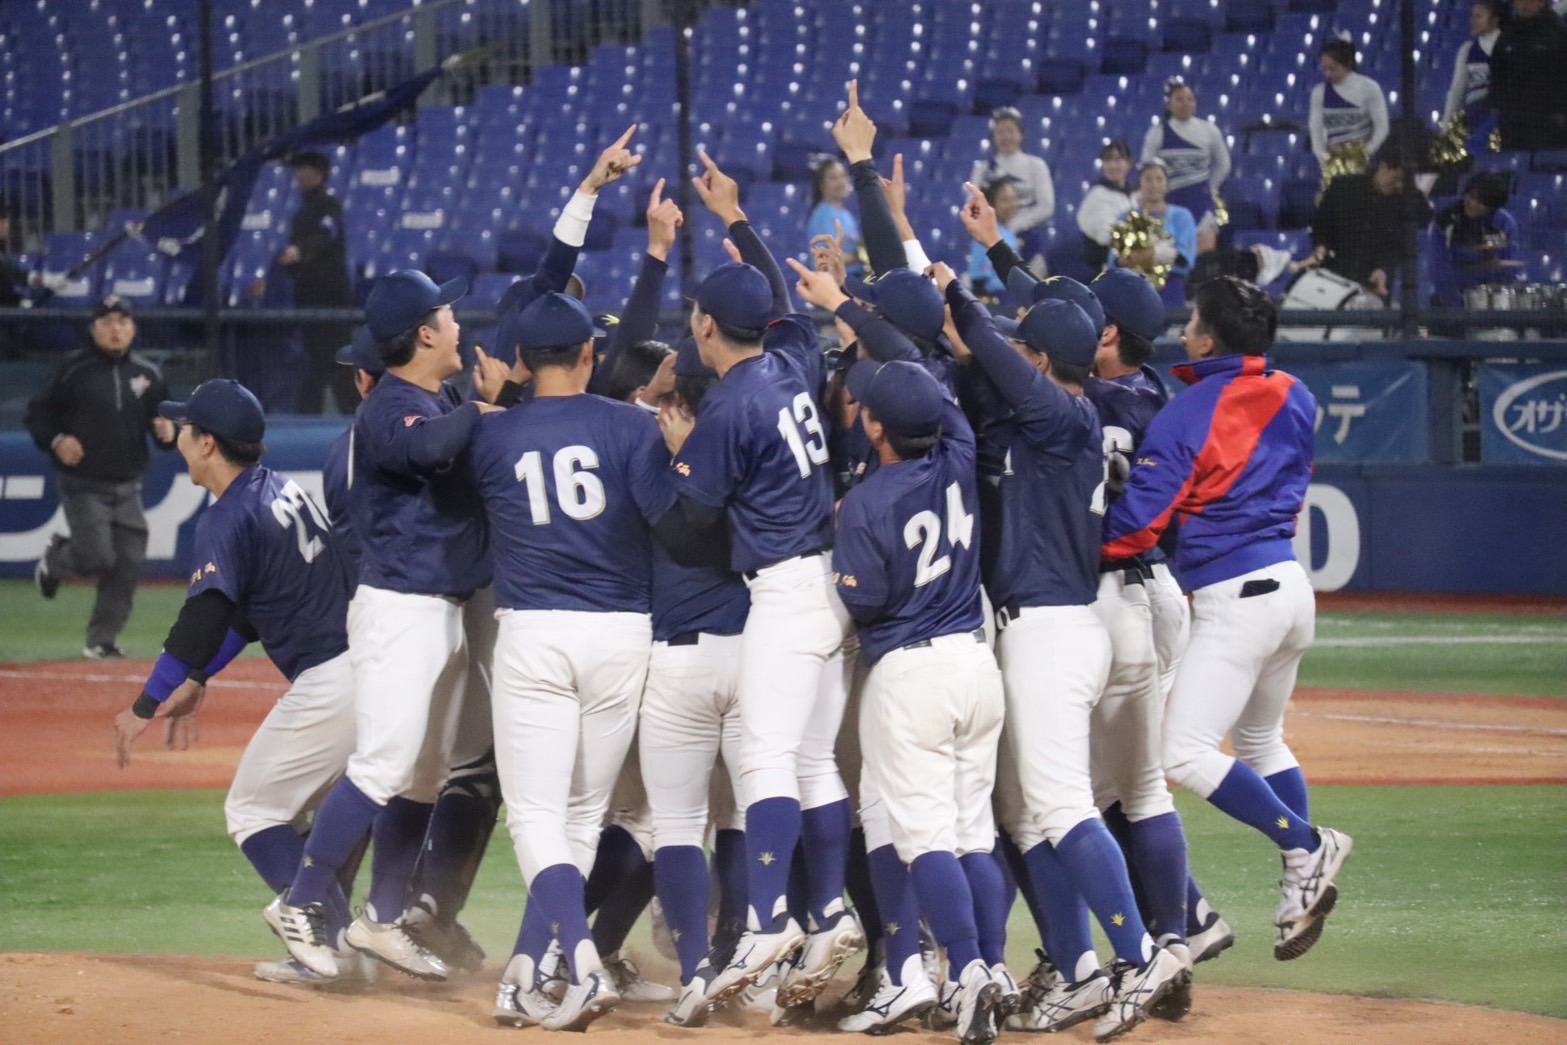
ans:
(295, 510)
(923, 531)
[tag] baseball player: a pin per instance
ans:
(906, 563)
(572, 484)
(1042, 574)
(424, 555)
(265, 566)
(1232, 458)
(756, 458)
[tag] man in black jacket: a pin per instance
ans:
(1528, 90)
(93, 419)
(1358, 229)
(317, 258)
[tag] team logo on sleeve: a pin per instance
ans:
(411, 420)
(846, 580)
(684, 469)
(203, 571)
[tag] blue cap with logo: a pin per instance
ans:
(1061, 330)
(399, 300)
(362, 352)
(737, 295)
(1130, 302)
(903, 396)
(221, 406)
(552, 321)
(909, 300)
(1057, 288)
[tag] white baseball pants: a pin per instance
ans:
(1055, 661)
(472, 738)
(410, 664)
(1172, 624)
(792, 684)
(1125, 738)
(567, 686)
(690, 715)
(1238, 674)
(297, 754)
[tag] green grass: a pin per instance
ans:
(1452, 893)
(33, 629)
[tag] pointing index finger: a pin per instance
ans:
(854, 94)
(625, 139)
(658, 195)
(798, 268)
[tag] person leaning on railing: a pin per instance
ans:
(1358, 229)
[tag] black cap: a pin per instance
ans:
(112, 303)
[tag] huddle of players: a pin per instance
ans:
(625, 550)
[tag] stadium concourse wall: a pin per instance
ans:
(1390, 507)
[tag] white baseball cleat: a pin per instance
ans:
(1011, 999)
(356, 971)
(1066, 1005)
(630, 985)
(894, 1003)
(303, 932)
(1307, 893)
(452, 943)
(824, 953)
(1212, 939)
(1177, 1001)
(977, 998)
(390, 943)
(584, 1002)
(517, 1005)
(755, 953)
(1138, 990)
(692, 1008)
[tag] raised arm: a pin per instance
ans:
(1008, 372)
(721, 194)
(639, 318)
(855, 134)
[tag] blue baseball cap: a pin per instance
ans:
(1061, 330)
(1130, 302)
(903, 396)
(737, 295)
(401, 299)
(553, 321)
(908, 300)
(688, 360)
(221, 406)
(362, 352)
(1007, 325)
(1065, 288)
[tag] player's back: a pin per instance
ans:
(337, 479)
(570, 484)
(269, 548)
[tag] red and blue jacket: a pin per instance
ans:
(1229, 460)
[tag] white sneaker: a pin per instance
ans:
(1066, 1005)
(552, 978)
(1011, 999)
(453, 944)
(630, 985)
(692, 1008)
(389, 942)
(584, 1002)
(824, 953)
(1211, 940)
(945, 1014)
(516, 1006)
(1137, 990)
(303, 932)
(893, 1003)
(1176, 1004)
(977, 997)
(755, 953)
(1307, 893)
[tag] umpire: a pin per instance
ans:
(93, 419)
(317, 259)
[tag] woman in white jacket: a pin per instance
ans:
(1472, 67)
(1108, 199)
(1347, 109)
(1194, 152)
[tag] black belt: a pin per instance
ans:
(978, 635)
(690, 638)
(1134, 572)
(750, 575)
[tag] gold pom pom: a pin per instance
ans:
(1346, 158)
(1132, 239)
(1449, 149)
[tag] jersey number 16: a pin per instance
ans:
(578, 491)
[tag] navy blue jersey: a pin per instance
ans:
(1146, 379)
(420, 522)
(1042, 481)
(1126, 409)
(906, 558)
(852, 456)
(269, 549)
(687, 599)
(571, 485)
(759, 451)
(336, 479)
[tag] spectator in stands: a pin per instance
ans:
(1477, 240)
(317, 259)
(1472, 67)
(1036, 193)
(1195, 155)
(1528, 85)
(1107, 199)
(93, 419)
(1002, 197)
(830, 214)
(1175, 246)
(1348, 112)
(1358, 230)
(13, 277)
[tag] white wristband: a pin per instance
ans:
(571, 228)
(918, 260)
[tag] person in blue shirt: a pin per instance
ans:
(265, 566)
(830, 216)
(1002, 197)
(1477, 241)
(1176, 247)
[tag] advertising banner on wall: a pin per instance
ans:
(1523, 413)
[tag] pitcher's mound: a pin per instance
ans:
(163, 999)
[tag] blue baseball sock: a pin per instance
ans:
(1062, 915)
(797, 894)
(948, 906)
(558, 892)
(274, 852)
(1009, 886)
(620, 910)
(862, 893)
(1247, 797)
(1098, 870)
(1290, 786)
(399, 837)
(1024, 877)
(729, 872)
(681, 875)
(772, 830)
(983, 872)
(895, 897)
(533, 935)
(1158, 855)
(345, 817)
(616, 860)
(459, 832)
(824, 835)
(1120, 829)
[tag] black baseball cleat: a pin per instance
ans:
(103, 651)
(48, 583)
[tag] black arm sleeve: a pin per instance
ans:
(638, 321)
(879, 231)
(1003, 259)
(694, 534)
(43, 414)
(199, 630)
(755, 253)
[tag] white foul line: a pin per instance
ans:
(1445, 640)
(1478, 727)
(133, 680)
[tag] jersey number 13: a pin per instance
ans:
(808, 449)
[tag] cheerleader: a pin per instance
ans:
(1194, 153)
(1347, 110)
